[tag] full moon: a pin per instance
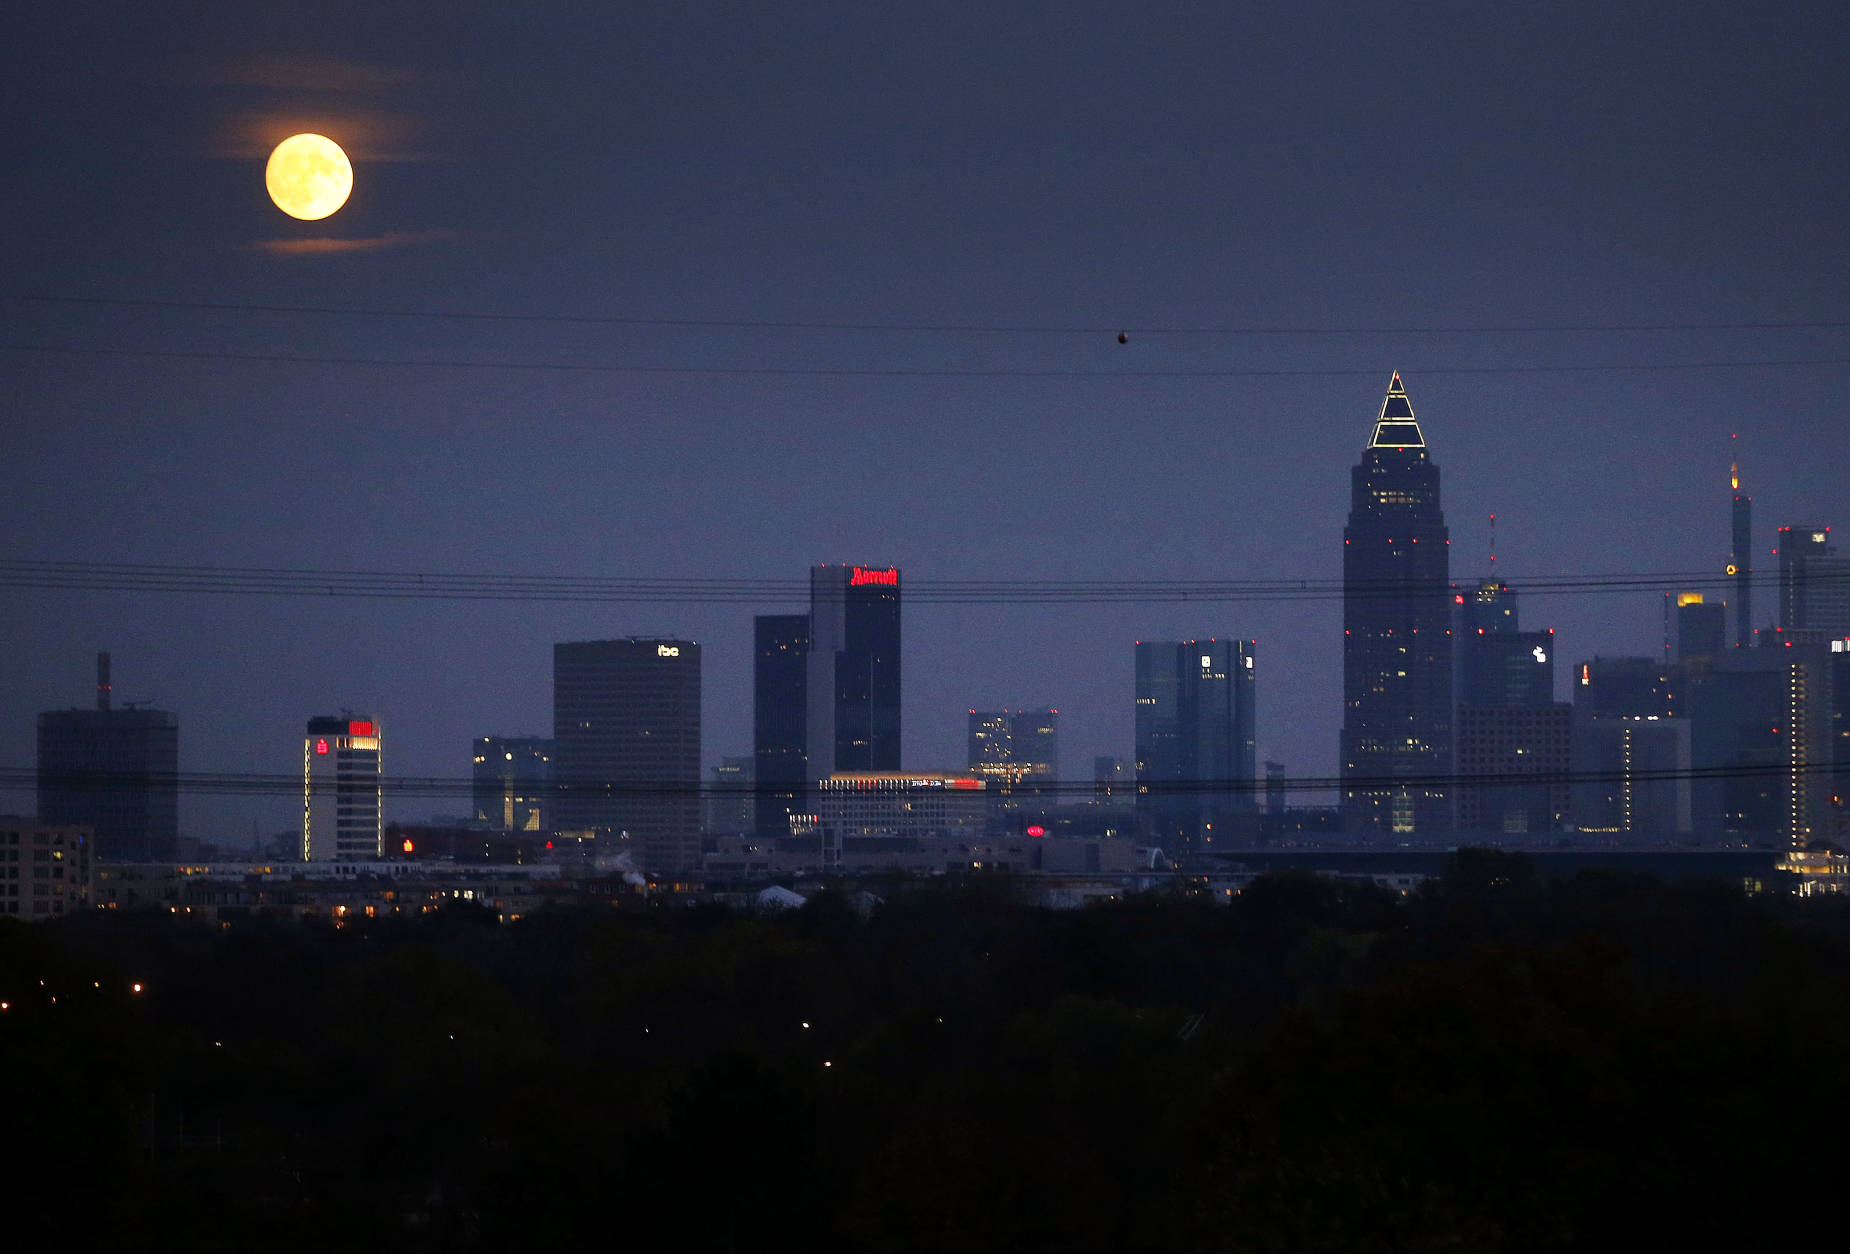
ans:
(308, 177)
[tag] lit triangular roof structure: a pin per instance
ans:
(1397, 427)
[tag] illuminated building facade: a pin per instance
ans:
(1814, 583)
(44, 868)
(1702, 628)
(887, 805)
(113, 771)
(512, 775)
(852, 670)
(1397, 644)
(780, 720)
(341, 813)
(1196, 758)
(1011, 748)
(626, 747)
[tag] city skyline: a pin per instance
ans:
(852, 283)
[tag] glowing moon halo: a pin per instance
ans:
(308, 177)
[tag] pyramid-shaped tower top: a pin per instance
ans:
(1397, 427)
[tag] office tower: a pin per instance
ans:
(1397, 644)
(726, 808)
(626, 746)
(1505, 669)
(852, 670)
(1741, 561)
(341, 815)
(1764, 744)
(1010, 748)
(1631, 750)
(1195, 738)
(513, 774)
(1835, 823)
(1631, 776)
(115, 772)
(1814, 585)
(1511, 738)
(780, 719)
(1702, 629)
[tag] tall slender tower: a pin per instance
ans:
(852, 715)
(1397, 642)
(1741, 561)
(780, 720)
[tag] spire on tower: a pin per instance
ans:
(1397, 427)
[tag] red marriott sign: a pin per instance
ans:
(860, 576)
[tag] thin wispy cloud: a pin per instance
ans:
(324, 245)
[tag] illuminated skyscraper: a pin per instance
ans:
(341, 815)
(626, 746)
(1397, 644)
(852, 670)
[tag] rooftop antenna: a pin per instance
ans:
(1493, 542)
(102, 682)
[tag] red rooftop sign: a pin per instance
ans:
(861, 576)
(359, 729)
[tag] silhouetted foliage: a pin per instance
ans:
(1500, 1062)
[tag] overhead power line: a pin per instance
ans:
(895, 372)
(494, 586)
(980, 328)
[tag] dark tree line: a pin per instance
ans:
(1496, 1063)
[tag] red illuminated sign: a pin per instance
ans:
(407, 844)
(1035, 829)
(321, 746)
(862, 576)
(360, 729)
(966, 783)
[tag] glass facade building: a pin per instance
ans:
(852, 672)
(626, 747)
(1397, 645)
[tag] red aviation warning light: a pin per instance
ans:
(862, 576)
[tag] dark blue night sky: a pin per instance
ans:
(1596, 241)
